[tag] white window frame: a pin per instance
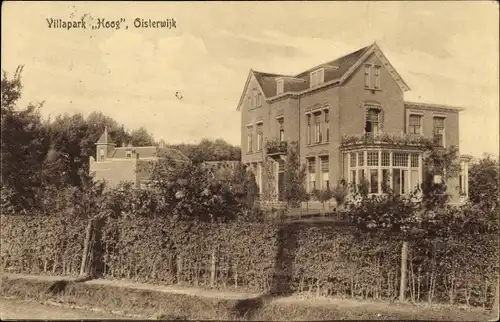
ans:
(367, 75)
(317, 127)
(101, 154)
(311, 176)
(377, 77)
(317, 77)
(421, 116)
(326, 112)
(378, 110)
(249, 138)
(325, 175)
(309, 120)
(260, 135)
(439, 116)
(281, 128)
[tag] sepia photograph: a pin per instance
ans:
(250, 161)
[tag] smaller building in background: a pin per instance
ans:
(128, 163)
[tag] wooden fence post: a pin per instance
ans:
(179, 268)
(404, 271)
(496, 301)
(85, 255)
(213, 268)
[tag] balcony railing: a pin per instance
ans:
(386, 138)
(276, 148)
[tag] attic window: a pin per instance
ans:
(280, 87)
(317, 77)
(256, 98)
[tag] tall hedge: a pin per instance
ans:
(324, 258)
(42, 244)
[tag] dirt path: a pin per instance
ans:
(15, 309)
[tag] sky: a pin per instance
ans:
(448, 53)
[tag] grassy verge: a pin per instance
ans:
(164, 305)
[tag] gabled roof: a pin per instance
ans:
(336, 71)
(105, 138)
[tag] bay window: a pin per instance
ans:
(385, 170)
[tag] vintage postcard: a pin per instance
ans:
(270, 160)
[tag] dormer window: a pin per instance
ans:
(317, 77)
(280, 86)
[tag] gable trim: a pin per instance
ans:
(251, 76)
(374, 48)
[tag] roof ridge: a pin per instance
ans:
(364, 49)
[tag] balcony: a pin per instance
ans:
(396, 139)
(275, 148)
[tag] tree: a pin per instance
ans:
(294, 175)
(141, 137)
(96, 122)
(484, 183)
(207, 150)
(69, 138)
(24, 144)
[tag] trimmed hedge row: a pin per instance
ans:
(163, 250)
(42, 244)
(325, 258)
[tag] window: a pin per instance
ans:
(128, 154)
(439, 131)
(281, 126)
(317, 77)
(415, 124)
(372, 121)
(353, 159)
(327, 125)
(249, 140)
(377, 77)
(255, 98)
(367, 76)
(308, 128)
(385, 159)
(325, 172)
(311, 169)
(414, 160)
(372, 158)
(280, 86)
(317, 128)
(400, 159)
(259, 137)
(361, 156)
(101, 154)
